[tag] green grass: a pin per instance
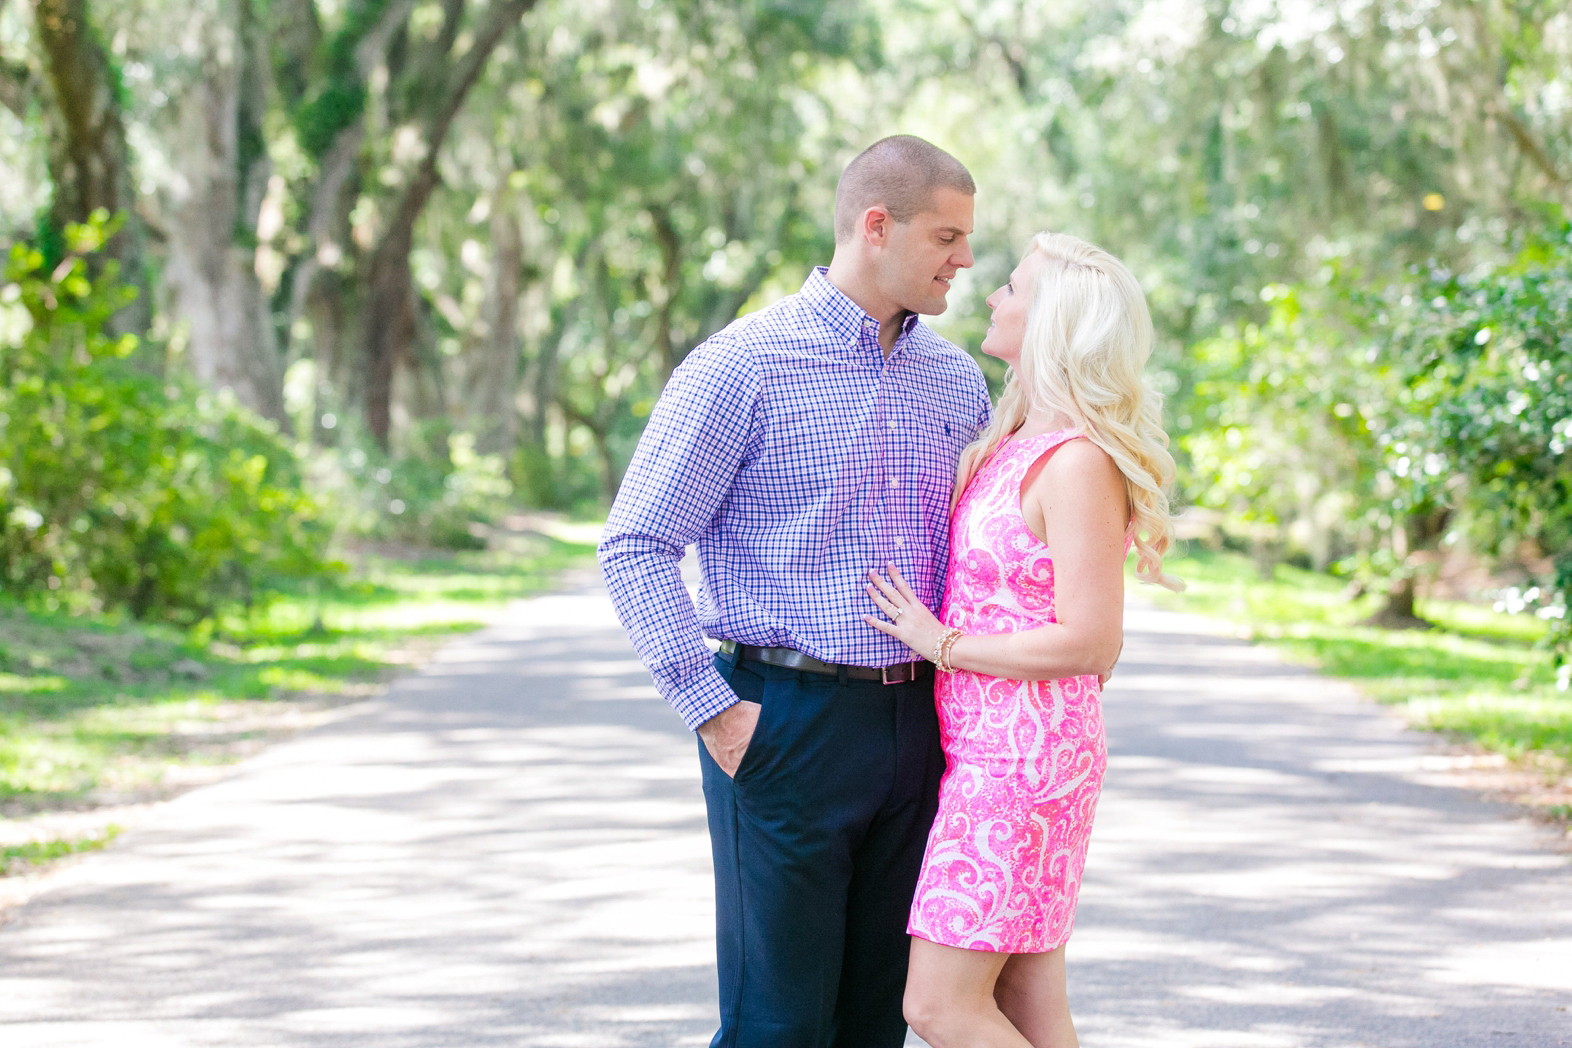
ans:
(1479, 675)
(95, 711)
(20, 858)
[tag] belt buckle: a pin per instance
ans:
(904, 667)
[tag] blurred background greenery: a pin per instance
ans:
(291, 277)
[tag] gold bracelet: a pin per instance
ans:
(941, 650)
(938, 646)
(949, 648)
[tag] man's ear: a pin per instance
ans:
(876, 223)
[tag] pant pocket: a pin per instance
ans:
(773, 697)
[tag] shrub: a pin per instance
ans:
(118, 488)
(1491, 354)
(440, 493)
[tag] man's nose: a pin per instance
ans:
(964, 260)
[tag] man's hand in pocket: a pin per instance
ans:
(727, 734)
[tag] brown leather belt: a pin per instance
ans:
(792, 659)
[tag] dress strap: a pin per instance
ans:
(1032, 451)
(1043, 443)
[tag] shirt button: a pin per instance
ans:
(893, 425)
(900, 542)
(895, 482)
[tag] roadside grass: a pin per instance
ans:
(1477, 677)
(97, 712)
(22, 858)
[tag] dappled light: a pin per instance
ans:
(510, 848)
(1274, 863)
(506, 845)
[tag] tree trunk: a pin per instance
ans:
(611, 476)
(389, 327)
(1398, 611)
(326, 289)
(322, 292)
(491, 381)
(89, 160)
(212, 253)
(390, 302)
(670, 287)
(1417, 534)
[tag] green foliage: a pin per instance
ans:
(1285, 427)
(120, 491)
(18, 858)
(1481, 675)
(1492, 366)
(338, 101)
(441, 499)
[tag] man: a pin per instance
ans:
(800, 448)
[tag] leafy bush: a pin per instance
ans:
(1493, 359)
(440, 493)
(119, 489)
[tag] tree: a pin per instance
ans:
(18, 84)
(376, 156)
(217, 143)
(1288, 442)
(1492, 361)
(89, 159)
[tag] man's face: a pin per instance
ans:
(920, 257)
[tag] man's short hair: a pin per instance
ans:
(901, 173)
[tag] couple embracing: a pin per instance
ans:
(899, 801)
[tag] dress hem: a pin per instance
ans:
(985, 948)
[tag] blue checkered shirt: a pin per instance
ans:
(796, 458)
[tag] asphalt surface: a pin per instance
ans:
(509, 849)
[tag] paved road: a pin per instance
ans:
(509, 849)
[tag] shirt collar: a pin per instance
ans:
(845, 317)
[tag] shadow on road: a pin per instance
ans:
(509, 849)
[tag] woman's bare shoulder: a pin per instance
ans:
(1080, 481)
(1078, 478)
(1080, 461)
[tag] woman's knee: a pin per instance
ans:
(919, 1011)
(930, 1013)
(949, 992)
(943, 1019)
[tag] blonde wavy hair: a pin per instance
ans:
(1088, 337)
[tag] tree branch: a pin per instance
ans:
(1523, 136)
(502, 16)
(387, 277)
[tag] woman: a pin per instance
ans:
(1075, 462)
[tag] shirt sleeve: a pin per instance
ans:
(690, 453)
(984, 403)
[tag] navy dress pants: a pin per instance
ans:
(818, 842)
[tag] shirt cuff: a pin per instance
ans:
(701, 697)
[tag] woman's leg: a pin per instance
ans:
(1031, 993)
(950, 998)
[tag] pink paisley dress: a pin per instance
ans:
(1024, 759)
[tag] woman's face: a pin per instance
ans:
(1010, 304)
